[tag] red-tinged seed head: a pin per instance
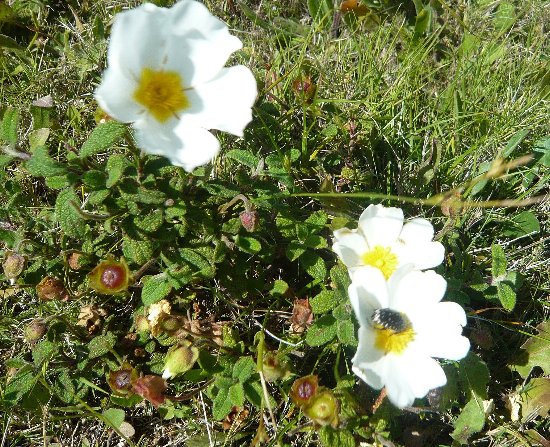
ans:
(113, 277)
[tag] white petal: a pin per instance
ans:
(367, 292)
(166, 374)
(138, 38)
(424, 255)
(439, 330)
(224, 103)
(366, 351)
(381, 225)
(411, 376)
(115, 96)
(349, 245)
(187, 147)
(199, 44)
(417, 231)
(415, 291)
(370, 373)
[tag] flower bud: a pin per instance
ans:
(274, 368)
(323, 409)
(303, 390)
(35, 330)
(305, 88)
(13, 265)
(249, 219)
(142, 324)
(110, 277)
(180, 359)
(121, 381)
(151, 388)
(50, 289)
(77, 260)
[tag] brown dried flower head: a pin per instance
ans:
(51, 288)
(151, 388)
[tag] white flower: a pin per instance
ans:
(166, 75)
(403, 325)
(383, 241)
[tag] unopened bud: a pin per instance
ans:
(35, 330)
(275, 368)
(249, 220)
(323, 409)
(142, 324)
(77, 260)
(180, 359)
(13, 265)
(50, 289)
(305, 88)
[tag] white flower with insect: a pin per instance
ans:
(403, 325)
(384, 241)
(166, 76)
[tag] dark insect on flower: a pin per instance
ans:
(390, 319)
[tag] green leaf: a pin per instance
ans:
(534, 352)
(102, 138)
(474, 376)
(323, 302)
(19, 384)
(243, 157)
(294, 250)
(155, 288)
(243, 369)
(345, 331)
(498, 264)
(471, 420)
(506, 296)
(505, 16)
(279, 288)
(115, 416)
(198, 262)
(38, 137)
(535, 398)
(321, 11)
(340, 277)
(150, 222)
(10, 44)
(101, 345)
(314, 265)
(322, 331)
(116, 165)
(9, 125)
(514, 142)
(44, 352)
(248, 244)
(331, 437)
(423, 23)
(221, 406)
(69, 220)
(236, 394)
(94, 179)
(42, 165)
(137, 251)
(522, 224)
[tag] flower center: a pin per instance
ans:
(161, 92)
(381, 258)
(393, 331)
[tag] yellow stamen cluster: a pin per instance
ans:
(161, 92)
(381, 258)
(388, 340)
